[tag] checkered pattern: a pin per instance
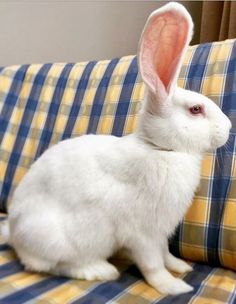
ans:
(208, 232)
(43, 104)
(211, 285)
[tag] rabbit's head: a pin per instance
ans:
(173, 118)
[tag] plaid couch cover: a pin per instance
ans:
(41, 104)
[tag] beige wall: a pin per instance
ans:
(49, 31)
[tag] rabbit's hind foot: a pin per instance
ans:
(99, 270)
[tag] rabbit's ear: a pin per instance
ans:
(162, 46)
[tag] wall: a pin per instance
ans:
(49, 31)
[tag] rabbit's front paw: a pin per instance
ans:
(177, 265)
(165, 283)
(174, 286)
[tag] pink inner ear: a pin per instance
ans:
(162, 45)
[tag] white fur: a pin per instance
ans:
(85, 198)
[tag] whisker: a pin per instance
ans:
(217, 162)
(187, 84)
(227, 147)
(220, 159)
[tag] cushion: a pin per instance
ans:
(43, 104)
(17, 286)
(208, 232)
(211, 285)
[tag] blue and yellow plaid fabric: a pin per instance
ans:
(211, 286)
(208, 232)
(43, 104)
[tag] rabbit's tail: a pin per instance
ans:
(5, 231)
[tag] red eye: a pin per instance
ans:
(196, 110)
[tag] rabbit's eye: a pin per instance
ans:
(196, 110)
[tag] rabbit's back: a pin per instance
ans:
(112, 174)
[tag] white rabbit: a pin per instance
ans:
(87, 197)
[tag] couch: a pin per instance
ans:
(41, 104)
